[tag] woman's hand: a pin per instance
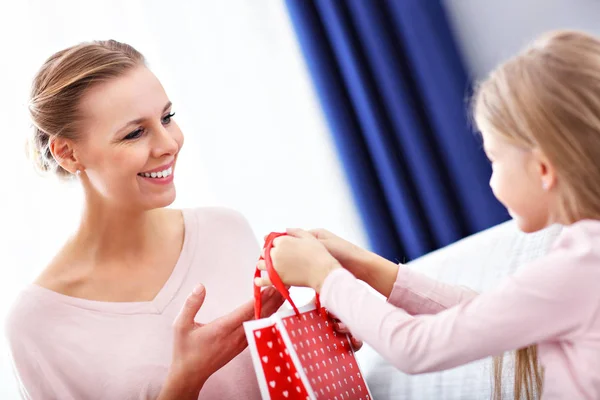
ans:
(300, 260)
(201, 349)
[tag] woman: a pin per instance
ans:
(113, 314)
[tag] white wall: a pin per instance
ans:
(489, 31)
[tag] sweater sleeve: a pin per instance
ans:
(34, 381)
(551, 298)
(417, 294)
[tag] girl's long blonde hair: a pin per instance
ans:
(548, 98)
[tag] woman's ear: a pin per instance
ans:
(62, 150)
(544, 169)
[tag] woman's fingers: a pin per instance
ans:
(185, 320)
(234, 320)
(272, 301)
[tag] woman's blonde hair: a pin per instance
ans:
(59, 87)
(548, 98)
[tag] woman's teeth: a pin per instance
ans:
(160, 174)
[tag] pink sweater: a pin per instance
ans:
(554, 302)
(69, 348)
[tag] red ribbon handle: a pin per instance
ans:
(275, 279)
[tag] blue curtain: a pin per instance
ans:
(394, 93)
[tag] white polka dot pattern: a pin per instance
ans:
(318, 355)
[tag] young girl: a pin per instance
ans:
(539, 115)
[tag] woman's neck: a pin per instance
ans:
(117, 245)
(110, 234)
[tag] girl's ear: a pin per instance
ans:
(545, 170)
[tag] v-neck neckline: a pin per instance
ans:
(162, 299)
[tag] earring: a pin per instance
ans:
(544, 185)
(78, 172)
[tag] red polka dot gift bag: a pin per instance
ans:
(298, 355)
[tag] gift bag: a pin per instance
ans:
(297, 354)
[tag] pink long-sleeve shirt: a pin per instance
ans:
(70, 348)
(554, 302)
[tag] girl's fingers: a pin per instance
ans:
(332, 315)
(341, 328)
(356, 344)
(263, 281)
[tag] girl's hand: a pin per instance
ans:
(376, 271)
(199, 350)
(340, 327)
(300, 260)
(349, 255)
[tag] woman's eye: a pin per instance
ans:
(167, 118)
(134, 135)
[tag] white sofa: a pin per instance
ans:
(479, 262)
